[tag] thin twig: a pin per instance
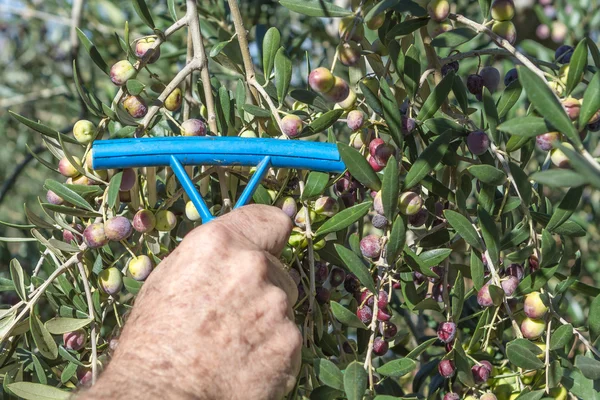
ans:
(311, 255)
(38, 293)
(381, 266)
(247, 59)
(547, 356)
(499, 41)
(494, 52)
(243, 41)
(90, 304)
(200, 56)
(180, 77)
(563, 321)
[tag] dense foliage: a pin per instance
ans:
(455, 256)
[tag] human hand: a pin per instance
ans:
(214, 320)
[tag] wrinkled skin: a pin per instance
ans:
(214, 319)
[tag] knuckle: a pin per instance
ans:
(278, 301)
(293, 336)
(218, 234)
(255, 267)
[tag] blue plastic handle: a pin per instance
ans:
(209, 150)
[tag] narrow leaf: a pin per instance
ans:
(67, 194)
(522, 356)
(270, 46)
(356, 266)
(397, 239)
(437, 97)
(358, 166)
(42, 338)
(566, 207)
(546, 103)
(589, 367)
(577, 66)
(490, 234)
(93, 51)
(454, 38)
(559, 178)
(397, 368)
(113, 189)
(463, 227)
(283, 74)
(412, 70)
(526, 126)
(37, 391)
(591, 100)
(390, 188)
(143, 12)
(315, 184)
(58, 325)
(315, 8)
(344, 219)
(390, 113)
(346, 316)
(561, 337)
(329, 373)
(324, 121)
(355, 381)
(491, 114)
(509, 98)
(488, 174)
(18, 277)
(427, 160)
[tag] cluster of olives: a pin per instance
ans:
(503, 12)
(438, 12)
(333, 283)
(333, 88)
(531, 316)
(123, 70)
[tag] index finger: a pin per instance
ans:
(266, 227)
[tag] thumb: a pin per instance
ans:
(266, 227)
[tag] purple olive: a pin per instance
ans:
(380, 346)
(355, 119)
(370, 246)
(447, 68)
(94, 235)
(365, 314)
(144, 221)
(563, 54)
(351, 284)
(511, 76)
(544, 141)
(509, 285)
(446, 368)
(475, 84)
(117, 228)
(478, 142)
(388, 329)
(446, 331)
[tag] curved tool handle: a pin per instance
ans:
(209, 150)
